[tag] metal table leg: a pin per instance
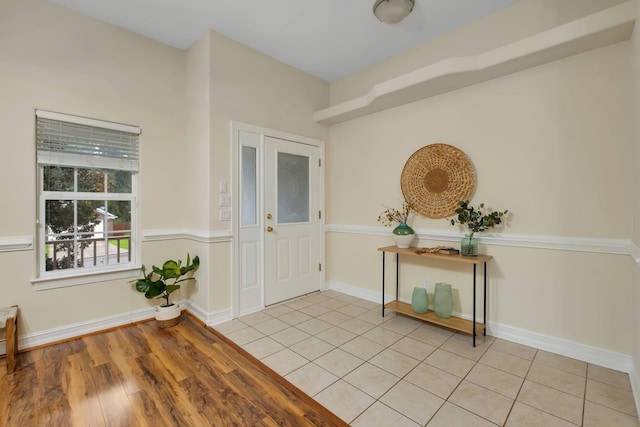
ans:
(397, 275)
(383, 283)
(474, 305)
(484, 332)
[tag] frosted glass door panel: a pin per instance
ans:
(249, 187)
(292, 236)
(293, 188)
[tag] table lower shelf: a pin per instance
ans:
(453, 322)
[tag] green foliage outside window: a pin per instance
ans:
(69, 220)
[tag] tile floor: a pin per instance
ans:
(375, 371)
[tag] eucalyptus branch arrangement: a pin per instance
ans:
(475, 218)
(392, 215)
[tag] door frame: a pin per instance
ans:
(236, 127)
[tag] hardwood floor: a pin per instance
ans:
(141, 375)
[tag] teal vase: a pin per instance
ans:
(419, 300)
(443, 300)
(403, 235)
(469, 245)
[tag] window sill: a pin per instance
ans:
(65, 279)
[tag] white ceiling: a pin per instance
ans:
(329, 39)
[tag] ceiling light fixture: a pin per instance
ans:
(392, 11)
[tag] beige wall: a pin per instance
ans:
(552, 144)
(61, 61)
(55, 59)
(246, 86)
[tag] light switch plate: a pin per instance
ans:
(225, 214)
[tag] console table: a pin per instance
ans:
(467, 326)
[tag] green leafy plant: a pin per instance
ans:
(391, 215)
(475, 219)
(162, 282)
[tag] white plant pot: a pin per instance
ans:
(168, 313)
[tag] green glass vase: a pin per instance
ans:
(403, 235)
(419, 300)
(469, 245)
(443, 300)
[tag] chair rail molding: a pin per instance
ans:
(18, 243)
(634, 251)
(203, 236)
(566, 243)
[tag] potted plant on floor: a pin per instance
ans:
(477, 221)
(162, 282)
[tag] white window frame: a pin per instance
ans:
(78, 276)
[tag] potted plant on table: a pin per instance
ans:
(477, 221)
(403, 235)
(162, 282)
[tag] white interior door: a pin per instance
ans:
(292, 261)
(278, 228)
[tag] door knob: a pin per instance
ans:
(269, 229)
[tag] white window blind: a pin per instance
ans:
(77, 141)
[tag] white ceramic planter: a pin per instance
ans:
(168, 313)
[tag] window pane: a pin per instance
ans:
(117, 233)
(59, 254)
(90, 215)
(118, 181)
(120, 213)
(58, 246)
(249, 187)
(119, 248)
(119, 222)
(59, 216)
(58, 178)
(91, 180)
(89, 245)
(293, 188)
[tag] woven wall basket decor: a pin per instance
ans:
(436, 178)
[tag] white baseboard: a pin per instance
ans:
(83, 328)
(54, 335)
(210, 319)
(220, 316)
(365, 294)
(635, 386)
(197, 312)
(596, 355)
(586, 353)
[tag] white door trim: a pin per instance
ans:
(236, 127)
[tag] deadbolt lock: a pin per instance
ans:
(269, 216)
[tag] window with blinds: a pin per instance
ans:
(87, 192)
